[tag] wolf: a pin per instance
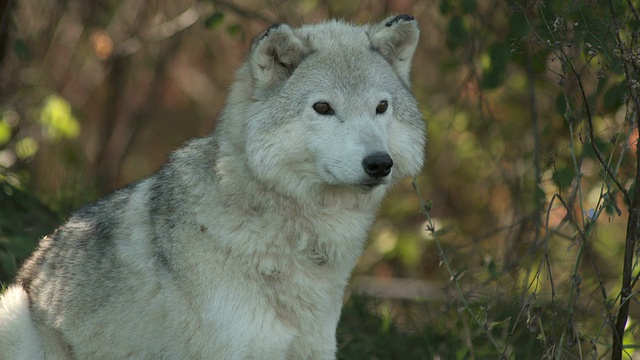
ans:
(242, 244)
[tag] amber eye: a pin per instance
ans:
(382, 107)
(323, 108)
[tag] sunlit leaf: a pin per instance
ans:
(214, 20)
(5, 132)
(26, 148)
(234, 29)
(409, 252)
(57, 118)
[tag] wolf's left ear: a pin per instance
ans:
(396, 39)
(275, 54)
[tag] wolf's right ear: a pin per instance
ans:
(275, 54)
(396, 39)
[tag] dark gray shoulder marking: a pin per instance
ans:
(162, 210)
(89, 230)
(167, 193)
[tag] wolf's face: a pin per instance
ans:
(331, 106)
(347, 109)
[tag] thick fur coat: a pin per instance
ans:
(242, 244)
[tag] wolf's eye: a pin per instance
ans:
(323, 108)
(382, 107)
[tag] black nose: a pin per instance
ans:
(377, 165)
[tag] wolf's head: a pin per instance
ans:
(329, 104)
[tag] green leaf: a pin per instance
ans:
(603, 147)
(561, 104)
(610, 206)
(495, 74)
(5, 132)
(57, 118)
(234, 29)
(445, 7)
(214, 20)
(563, 177)
(492, 78)
(26, 148)
(633, 23)
(518, 25)
(614, 97)
(493, 269)
(21, 49)
(458, 32)
(468, 6)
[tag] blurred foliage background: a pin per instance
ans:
(515, 248)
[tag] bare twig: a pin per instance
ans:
(633, 232)
(162, 31)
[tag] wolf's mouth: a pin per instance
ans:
(368, 185)
(365, 184)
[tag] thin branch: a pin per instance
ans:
(249, 14)
(633, 231)
(633, 10)
(162, 31)
(585, 101)
(172, 27)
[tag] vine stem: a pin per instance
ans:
(453, 276)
